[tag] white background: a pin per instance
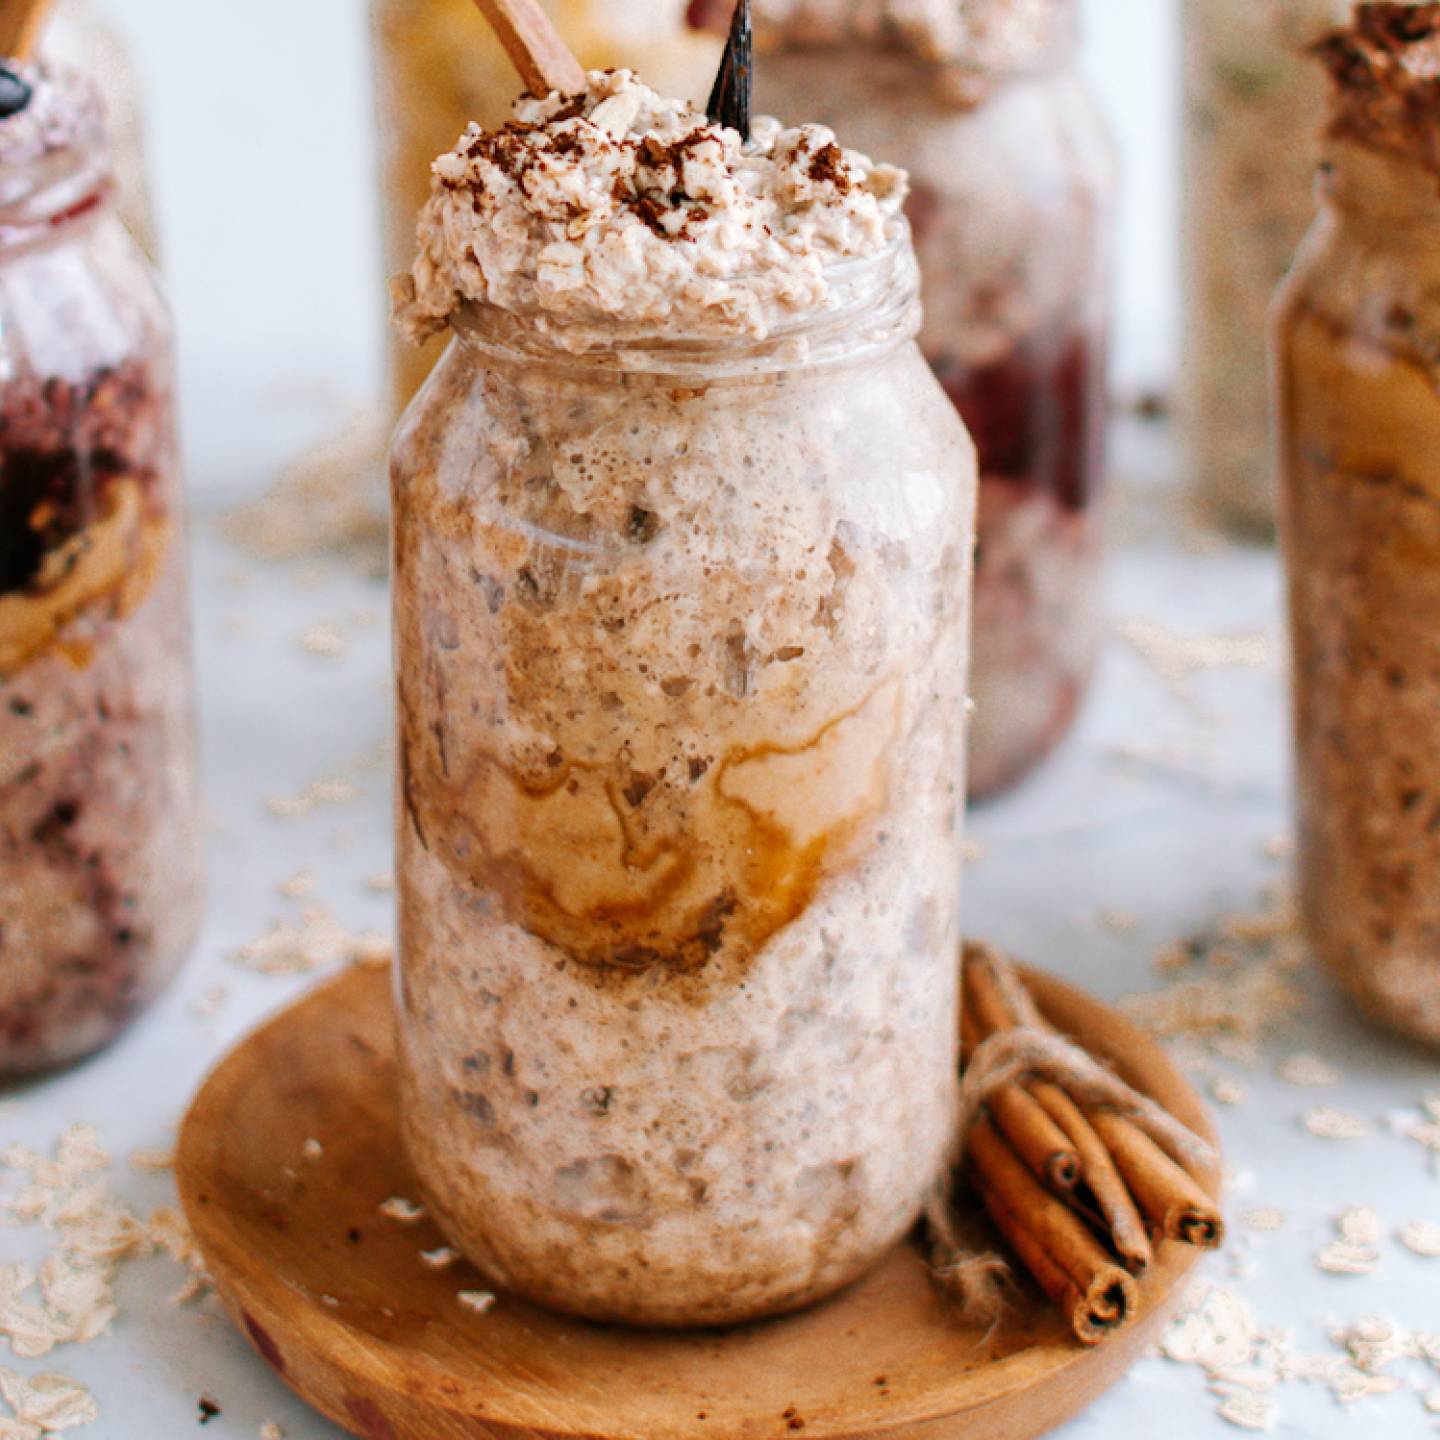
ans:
(263, 161)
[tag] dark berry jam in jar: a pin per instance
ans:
(1012, 212)
(99, 838)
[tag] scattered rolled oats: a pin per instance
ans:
(332, 790)
(312, 1149)
(319, 941)
(382, 882)
(1356, 1251)
(1264, 1220)
(271, 1431)
(323, 639)
(1176, 658)
(51, 1402)
(1422, 1237)
(152, 1158)
(1249, 1412)
(1327, 1123)
(210, 1002)
(406, 1212)
(1308, 1070)
(1243, 1360)
(298, 885)
(476, 1301)
(170, 1231)
(441, 1258)
(1227, 1092)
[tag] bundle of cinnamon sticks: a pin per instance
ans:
(1081, 1192)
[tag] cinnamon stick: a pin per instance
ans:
(1102, 1179)
(1037, 1139)
(21, 22)
(1174, 1204)
(534, 46)
(1097, 1296)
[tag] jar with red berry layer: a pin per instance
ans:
(1012, 209)
(99, 835)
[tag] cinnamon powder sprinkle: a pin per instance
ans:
(1385, 70)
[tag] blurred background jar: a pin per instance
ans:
(1357, 373)
(99, 829)
(1012, 179)
(439, 66)
(1254, 107)
(81, 33)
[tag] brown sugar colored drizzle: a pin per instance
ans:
(725, 871)
(81, 522)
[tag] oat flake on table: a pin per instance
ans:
(1325, 1122)
(318, 942)
(1356, 1250)
(52, 1403)
(1308, 1071)
(1421, 1237)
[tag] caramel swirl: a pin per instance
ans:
(633, 872)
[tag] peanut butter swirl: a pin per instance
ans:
(1385, 68)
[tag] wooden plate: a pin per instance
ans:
(335, 1298)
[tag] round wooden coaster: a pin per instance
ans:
(291, 1147)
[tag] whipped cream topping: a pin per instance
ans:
(623, 212)
(65, 113)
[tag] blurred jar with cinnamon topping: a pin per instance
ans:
(1254, 110)
(1356, 339)
(1012, 179)
(682, 545)
(99, 839)
(439, 65)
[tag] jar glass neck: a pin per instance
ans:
(875, 308)
(41, 197)
(1371, 189)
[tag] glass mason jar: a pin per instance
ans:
(439, 65)
(681, 644)
(1254, 107)
(1357, 336)
(82, 35)
(99, 833)
(1012, 178)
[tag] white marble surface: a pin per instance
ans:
(1173, 845)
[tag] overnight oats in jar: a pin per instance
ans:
(1012, 211)
(1357, 372)
(681, 550)
(99, 834)
(439, 65)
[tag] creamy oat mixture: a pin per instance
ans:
(623, 209)
(681, 677)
